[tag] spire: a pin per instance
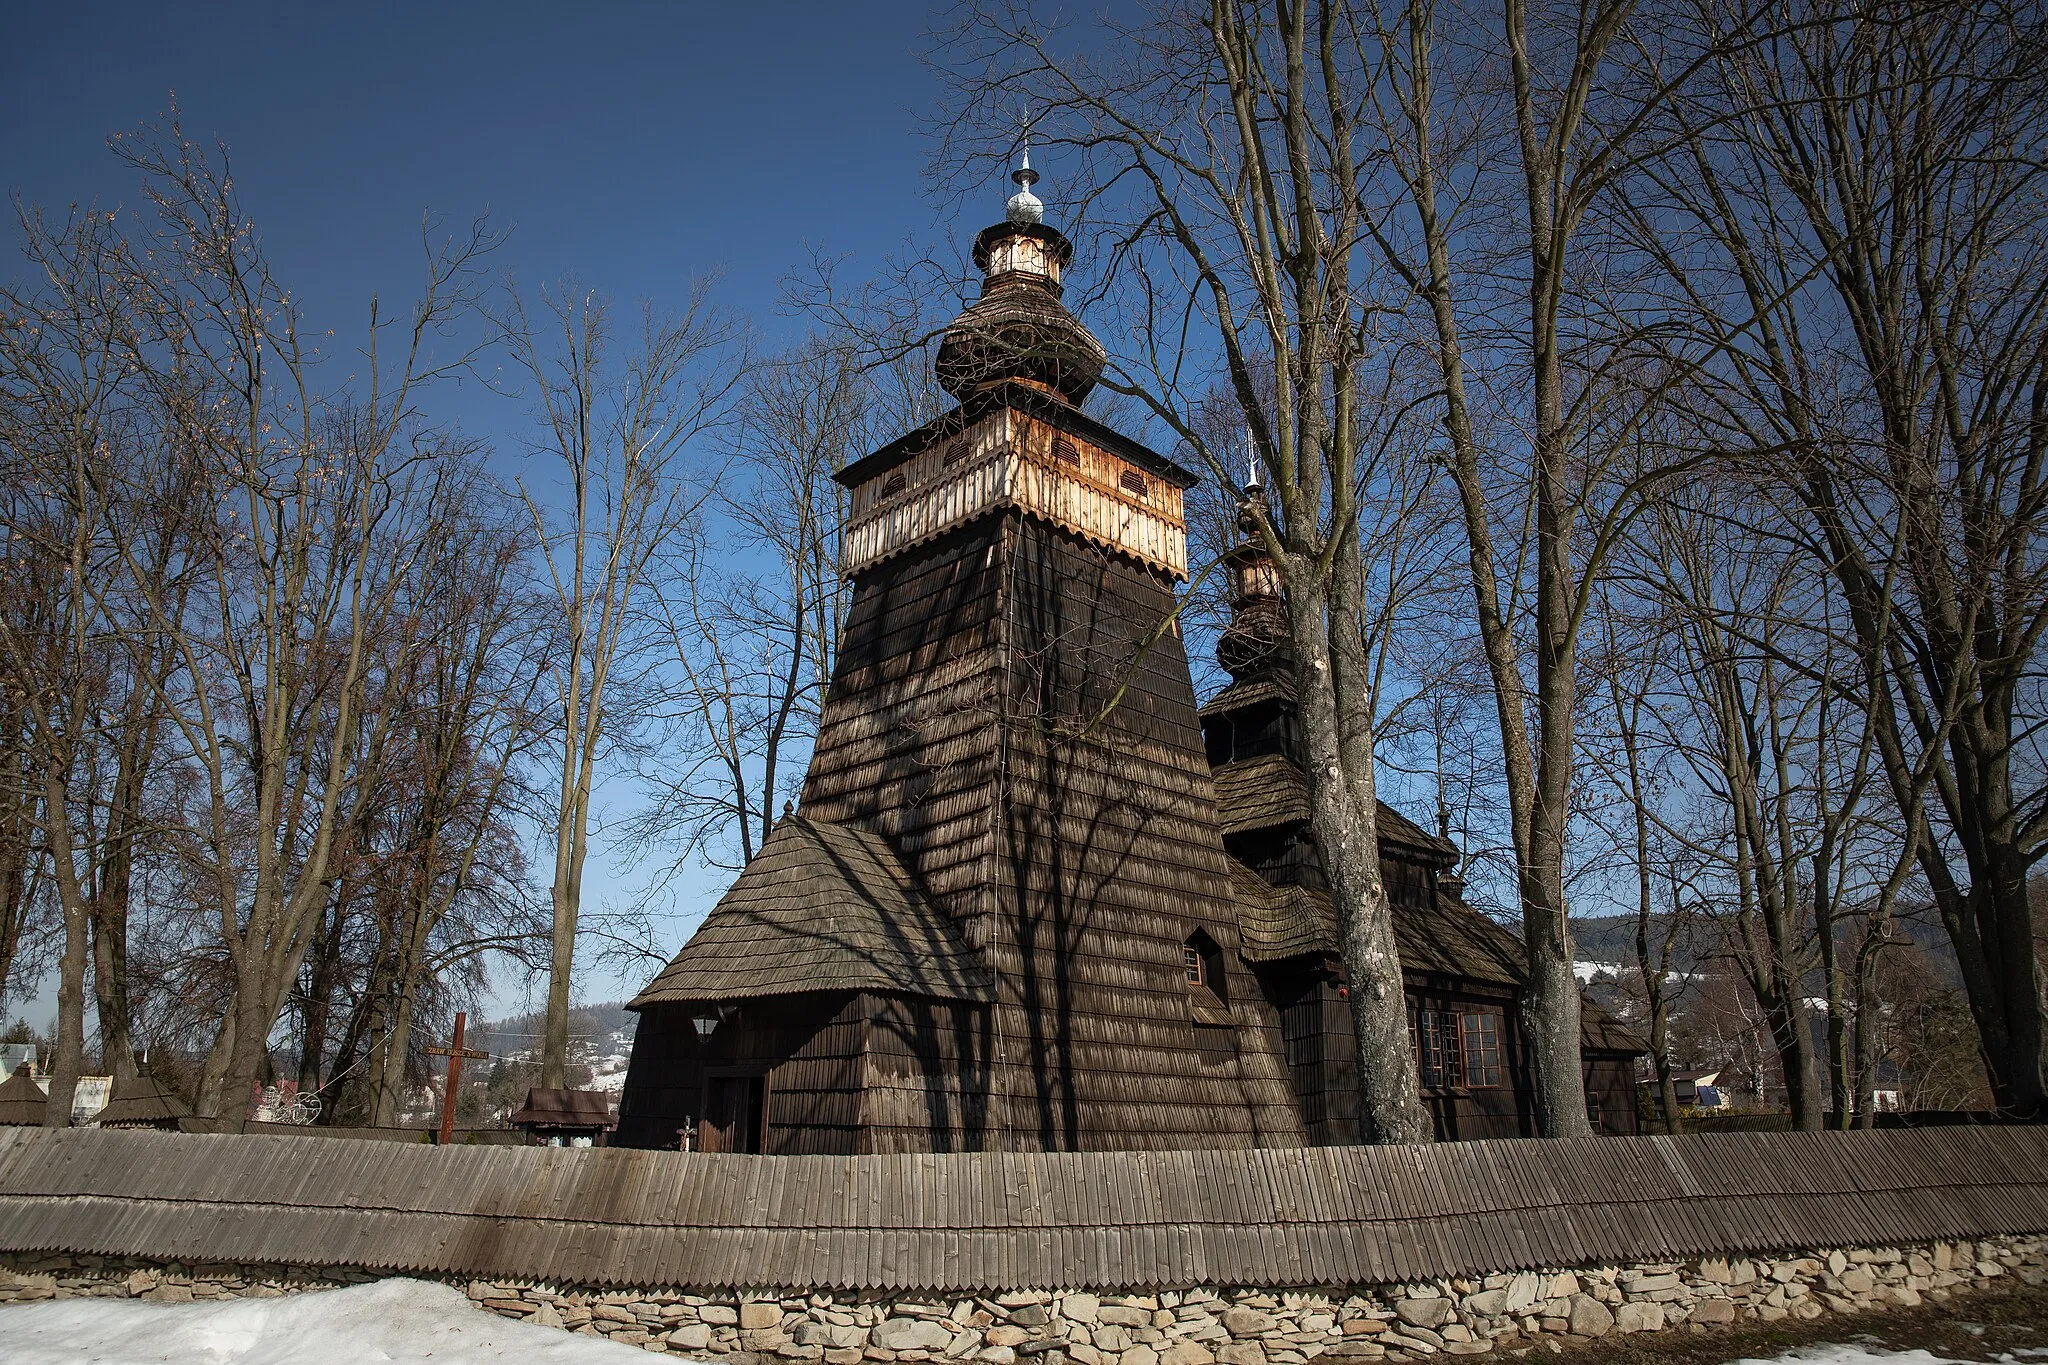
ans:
(1025, 208)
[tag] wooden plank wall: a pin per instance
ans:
(1310, 1217)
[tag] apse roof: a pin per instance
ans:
(822, 907)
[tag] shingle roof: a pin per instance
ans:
(973, 1223)
(1264, 792)
(1276, 922)
(822, 907)
(141, 1100)
(1270, 686)
(21, 1100)
(565, 1109)
(1453, 939)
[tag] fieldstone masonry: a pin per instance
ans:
(1513, 1314)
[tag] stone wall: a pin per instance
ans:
(1509, 1313)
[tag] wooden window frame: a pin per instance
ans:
(1201, 961)
(1436, 1041)
(1484, 1066)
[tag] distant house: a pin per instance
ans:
(1699, 1089)
(565, 1118)
(88, 1099)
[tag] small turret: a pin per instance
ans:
(1256, 638)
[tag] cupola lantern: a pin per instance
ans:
(1018, 329)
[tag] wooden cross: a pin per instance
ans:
(454, 1052)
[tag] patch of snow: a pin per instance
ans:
(1849, 1353)
(1588, 972)
(394, 1320)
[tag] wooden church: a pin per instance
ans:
(1031, 898)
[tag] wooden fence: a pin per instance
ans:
(1313, 1217)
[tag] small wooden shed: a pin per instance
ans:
(564, 1118)
(22, 1103)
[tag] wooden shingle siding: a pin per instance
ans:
(1321, 1217)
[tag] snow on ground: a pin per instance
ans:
(1850, 1353)
(386, 1320)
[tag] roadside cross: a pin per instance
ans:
(454, 1052)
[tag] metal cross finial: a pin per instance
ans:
(1025, 208)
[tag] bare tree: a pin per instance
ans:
(750, 601)
(310, 513)
(62, 367)
(1859, 199)
(618, 428)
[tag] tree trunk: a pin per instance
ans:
(70, 1053)
(1340, 795)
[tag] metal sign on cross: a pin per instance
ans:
(454, 1052)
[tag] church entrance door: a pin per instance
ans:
(732, 1119)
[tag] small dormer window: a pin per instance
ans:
(1134, 483)
(1065, 450)
(956, 451)
(894, 484)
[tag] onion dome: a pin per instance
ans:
(1018, 329)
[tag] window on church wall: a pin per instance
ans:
(1434, 1037)
(1482, 1049)
(1201, 963)
(1456, 1048)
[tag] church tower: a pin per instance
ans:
(1002, 916)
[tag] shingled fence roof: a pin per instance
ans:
(821, 907)
(1304, 1217)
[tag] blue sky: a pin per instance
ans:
(636, 145)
